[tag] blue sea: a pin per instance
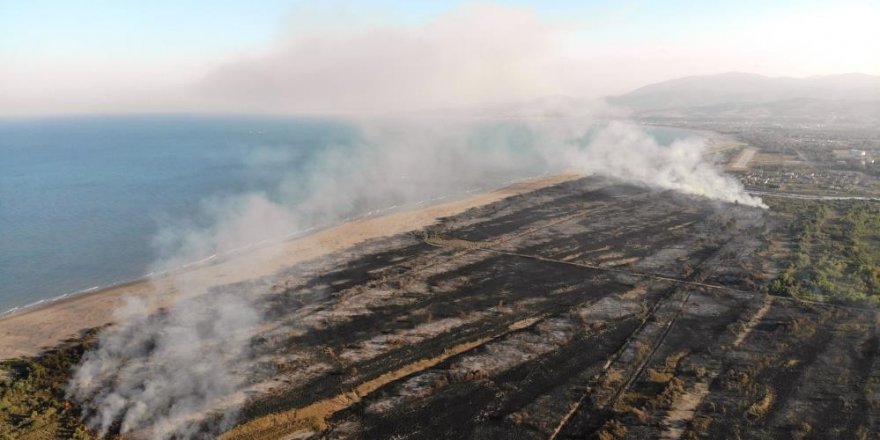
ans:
(82, 198)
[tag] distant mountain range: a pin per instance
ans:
(737, 89)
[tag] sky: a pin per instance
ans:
(288, 56)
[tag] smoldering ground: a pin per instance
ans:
(160, 374)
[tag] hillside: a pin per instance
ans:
(745, 88)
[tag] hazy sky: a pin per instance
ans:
(108, 56)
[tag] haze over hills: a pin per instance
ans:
(846, 98)
(736, 87)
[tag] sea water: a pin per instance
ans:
(82, 198)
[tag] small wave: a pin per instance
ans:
(59, 298)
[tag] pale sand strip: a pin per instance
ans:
(31, 330)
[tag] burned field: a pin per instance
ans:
(584, 310)
(589, 309)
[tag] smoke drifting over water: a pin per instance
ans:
(159, 374)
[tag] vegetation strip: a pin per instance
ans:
(835, 255)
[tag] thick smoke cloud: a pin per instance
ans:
(479, 55)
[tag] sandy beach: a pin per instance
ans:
(32, 330)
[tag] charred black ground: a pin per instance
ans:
(644, 315)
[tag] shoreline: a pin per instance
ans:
(30, 329)
(244, 250)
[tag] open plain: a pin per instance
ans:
(585, 310)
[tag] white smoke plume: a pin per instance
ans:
(625, 151)
(154, 372)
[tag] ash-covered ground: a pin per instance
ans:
(589, 309)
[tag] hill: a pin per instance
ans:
(745, 88)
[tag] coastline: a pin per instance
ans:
(32, 329)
